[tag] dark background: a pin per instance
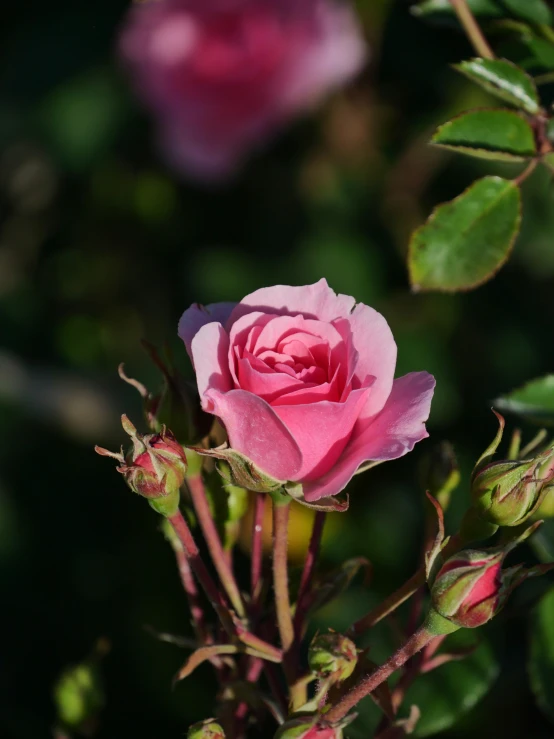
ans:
(101, 245)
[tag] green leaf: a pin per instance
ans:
(489, 8)
(464, 242)
(534, 11)
(534, 401)
(488, 134)
(541, 659)
(503, 79)
(447, 693)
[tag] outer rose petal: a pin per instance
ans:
(312, 301)
(197, 316)
(393, 433)
(376, 349)
(256, 431)
(209, 353)
(322, 430)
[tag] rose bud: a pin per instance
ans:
(155, 467)
(208, 729)
(332, 655)
(305, 727)
(508, 492)
(471, 587)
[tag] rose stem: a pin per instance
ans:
(401, 595)
(471, 27)
(184, 534)
(309, 569)
(220, 560)
(189, 586)
(257, 545)
(281, 590)
(370, 682)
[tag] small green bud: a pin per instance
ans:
(332, 655)
(208, 729)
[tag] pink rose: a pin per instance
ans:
(222, 75)
(303, 381)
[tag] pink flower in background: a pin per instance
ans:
(222, 75)
(303, 381)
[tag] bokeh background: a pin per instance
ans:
(101, 246)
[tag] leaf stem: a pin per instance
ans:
(220, 559)
(520, 179)
(471, 27)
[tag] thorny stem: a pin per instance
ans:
(220, 560)
(184, 534)
(281, 591)
(471, 27)
(370, 682)
(257, 545)
(189, 586)
(309, 568)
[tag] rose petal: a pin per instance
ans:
(376, 349)
(209, 353)
(256, 431)
(321, 430)
(197, 316)
(312, 301)
(393, 433)
(268, 385)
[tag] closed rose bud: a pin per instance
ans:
(507, 493)
(471, 587)
(155, 467)
(208, 729)
(332, 655)
(307, 728)
(467, 588)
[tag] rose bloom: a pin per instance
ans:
(303, 381)
(222, 75)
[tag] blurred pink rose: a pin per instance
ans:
(222, 75)
(303, 381)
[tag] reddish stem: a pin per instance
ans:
(370, 682)
(189, 586)
(217, 600)
(220, 559)
(309, 569)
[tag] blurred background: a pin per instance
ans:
(101, 245)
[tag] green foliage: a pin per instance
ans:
(488, 134)
(447, 693)
(467, 240)
(541, 659)
(503, 79)
(534, 401)
(534, 11)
